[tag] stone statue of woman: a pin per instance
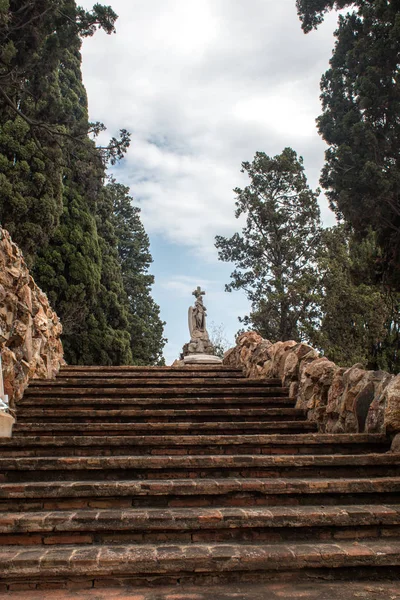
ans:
(197, 315)
(199, 345)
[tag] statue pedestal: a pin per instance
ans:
(202, 359)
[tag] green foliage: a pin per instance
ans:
(276, 251)
(359, 318)
(38, 43)
(101, 17)
(353, 307)
(312, 12)
(360, 123)
(145, 325)
(52, 194)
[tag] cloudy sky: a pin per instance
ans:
(202, 85)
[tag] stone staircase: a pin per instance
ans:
(187, 475)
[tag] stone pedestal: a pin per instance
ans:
(202, 359)
(6, 425)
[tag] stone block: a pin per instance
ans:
(6, 425)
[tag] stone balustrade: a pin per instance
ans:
(30, 330)
(338, 399)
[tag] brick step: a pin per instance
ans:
(118, 425)
(138, 369)
(136, 406)
(178, 444)
(160, 426)
(121, 426)
(46, 445)
(89, 403)
(208, 392)
(348, 584)
(27, 563)
(205, 524)
(196, 466)
(160, 382)
(156, 374)
(194, 493)
(120, 418)
(175, 408)
(260, 443)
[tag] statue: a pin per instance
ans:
(200, 344)
(197, 315)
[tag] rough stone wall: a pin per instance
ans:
(338, 399)
(30, 330)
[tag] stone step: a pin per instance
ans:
(151, 391)
(195, 417)
(174, 406)
(176, 403)
(195, 493)
(46, 445)
(119, 418)
(160, 382)
(163, 371)
(180, 444)
(240, 586)
(90, 404)
(124, 561)
(170, 375)
(193, 466)
(154, 525)
(165, 424)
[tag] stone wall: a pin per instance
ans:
(338, 399)
(30, 330)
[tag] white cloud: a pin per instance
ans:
(202, 87)
(183, 285)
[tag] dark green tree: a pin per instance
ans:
(145, 325)
(109, 336)
(52, 194)
(354, 310)
(79, 267)
(69, 267)
(36, 118)
(275, 253)
(360, 121)
(312, 12)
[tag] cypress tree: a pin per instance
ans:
(360, 121)
(30, 158)
(52, 194)
(75, 268)
(145, 325)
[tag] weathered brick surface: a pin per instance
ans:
(116, 590)
(136, 476)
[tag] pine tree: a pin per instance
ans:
(275, 254)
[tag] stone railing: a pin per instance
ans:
(30, 330)
(338, 399)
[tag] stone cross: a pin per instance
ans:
(198, 292)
